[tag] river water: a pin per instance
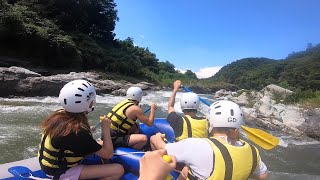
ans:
(20, 135)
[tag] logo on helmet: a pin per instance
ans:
(232, 119)
(90, 95)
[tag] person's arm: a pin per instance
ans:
(176, 122)
(153, 166)
(260, 173)
(176, 86)
(263, 176)
(107, 147)
(134, 112)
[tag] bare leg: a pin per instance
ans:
(184, 173)
(156, 142)
(137, 141)
(152, 141)
(105, 171)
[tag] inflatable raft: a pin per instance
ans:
(129, 158)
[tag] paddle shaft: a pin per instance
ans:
(95, 128)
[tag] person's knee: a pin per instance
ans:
(144, 138)
(119, 169)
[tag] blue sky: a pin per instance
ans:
(205, 35)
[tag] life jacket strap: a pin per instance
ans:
(191, 176)
(188, 126)
(123, 120)
(254, 159)
(61, 160)
(227, 158)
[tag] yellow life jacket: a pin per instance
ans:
(120, 122)
(196, 128)
(56, 160)
(232, 162)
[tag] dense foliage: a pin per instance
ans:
(77, 34)
(299, 71)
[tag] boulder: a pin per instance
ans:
(241, 100)
(23, 82)
(311, 125)
(268, 112)
(10, 77)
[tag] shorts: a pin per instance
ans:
(120, 141)
(72, 173)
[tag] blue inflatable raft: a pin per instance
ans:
(129, 158)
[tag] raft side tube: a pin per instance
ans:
(160, 125)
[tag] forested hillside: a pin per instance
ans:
(299, 71)
(77, 35)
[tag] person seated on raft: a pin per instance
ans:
(66, 137)
(223, 155)
(124, 130)
(189, 125)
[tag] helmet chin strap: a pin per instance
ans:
(135, 102)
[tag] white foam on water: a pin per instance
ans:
(109, 99)
(7, 133)
(286, 140)
(31, 108)
(30, 152)
(32, 149)
(47, 99)
(166, 94)
(3, 139)
(282, 143)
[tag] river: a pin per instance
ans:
(20, 135)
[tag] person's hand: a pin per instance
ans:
(154, 106)
(105, 121)
(159, 136)
(153, 165)
(176, 85)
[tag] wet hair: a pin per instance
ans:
(61, 123)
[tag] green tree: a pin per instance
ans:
(95, 18)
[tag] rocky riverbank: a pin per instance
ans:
(17, 81)
(265, 108)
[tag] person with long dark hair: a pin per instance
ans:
(66, 137)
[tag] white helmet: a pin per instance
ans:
(78, 96)
(134, 93)
(189, 100)
(225, 113)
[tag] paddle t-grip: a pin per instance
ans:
(167, 158)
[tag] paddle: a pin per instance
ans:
(258, 136)
(95, 128)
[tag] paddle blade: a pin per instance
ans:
(261, 138)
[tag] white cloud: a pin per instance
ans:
(181, 70)
(207, 72)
